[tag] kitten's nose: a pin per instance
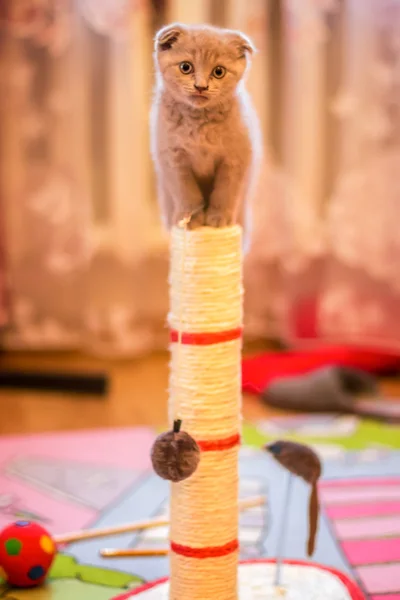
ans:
(201, 88)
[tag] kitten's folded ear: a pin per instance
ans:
(243, 44)
(167, 36)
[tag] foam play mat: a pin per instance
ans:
(97, 479)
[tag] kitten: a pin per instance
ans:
(205, 135)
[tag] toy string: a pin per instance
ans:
(282, 531)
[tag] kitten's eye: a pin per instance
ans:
(219, 72)
(186, 67)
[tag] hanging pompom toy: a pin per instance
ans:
(27, 552)
(302, 461)
(175, 455)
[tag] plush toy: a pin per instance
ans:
(27, 552)
(302, 461)
(175, 454)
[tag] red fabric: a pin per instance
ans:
(259, 371)
(353, 589)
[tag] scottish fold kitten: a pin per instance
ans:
(205, 135)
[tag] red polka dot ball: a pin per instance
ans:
(27, 552)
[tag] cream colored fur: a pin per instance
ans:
(206, 144)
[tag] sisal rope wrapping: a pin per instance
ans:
(205, 392)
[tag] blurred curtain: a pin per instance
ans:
(86, 257)
(3, 284)
(342, 275)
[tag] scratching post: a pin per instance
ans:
(205, 392)
(205, 398)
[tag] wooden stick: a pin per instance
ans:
(251, 502)
(244, 504)
(92, 534)
(133, 553)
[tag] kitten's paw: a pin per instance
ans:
(197, 219)
(219, 219)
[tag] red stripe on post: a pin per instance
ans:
(207, 552)
(205, 339)
(217, 445)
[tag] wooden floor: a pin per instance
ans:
(138, 396)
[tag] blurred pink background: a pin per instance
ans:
(84, 259)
